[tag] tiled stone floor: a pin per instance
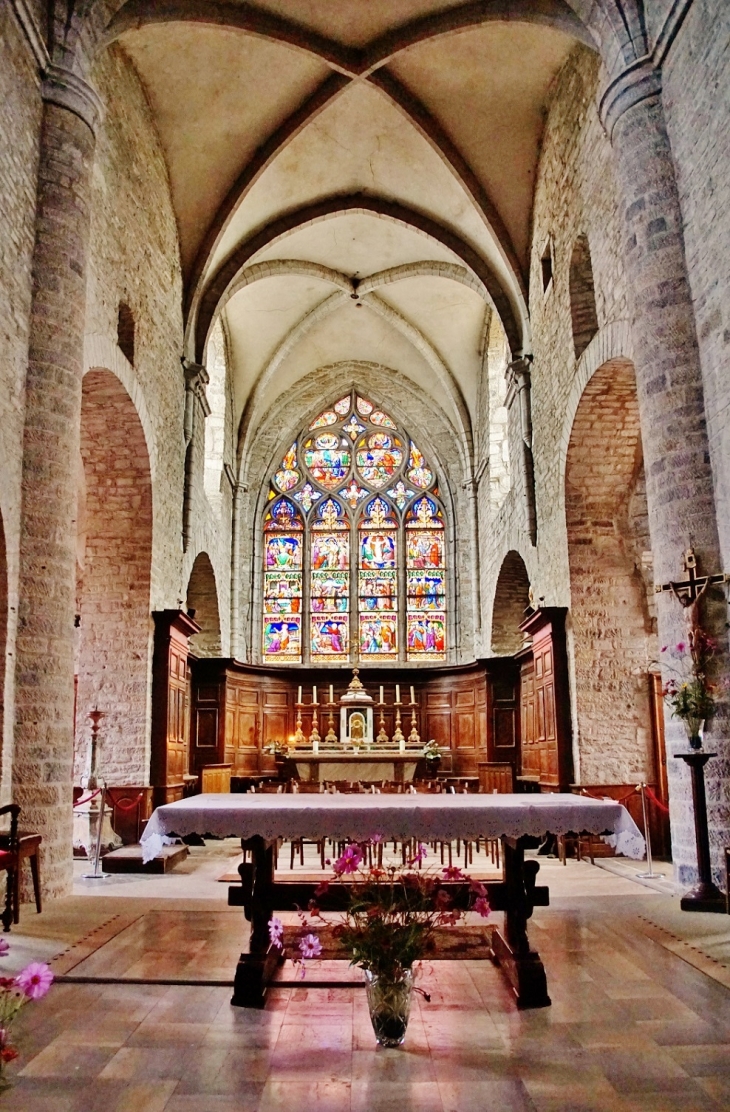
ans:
(632, 1027)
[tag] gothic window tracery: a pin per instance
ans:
(354, 545)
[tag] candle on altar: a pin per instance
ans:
(413, 697)
(381, 693)
(315, 746)
(397, 693)
(299, 695)
(332, 694)
(402, 745)
(314, 694)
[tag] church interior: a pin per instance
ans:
(366, 499)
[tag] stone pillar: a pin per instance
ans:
(196, 408)
(44, 676)
(671, 406)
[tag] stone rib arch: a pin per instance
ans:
(217, 293)
(249, 422)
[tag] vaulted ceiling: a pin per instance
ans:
(351, 180)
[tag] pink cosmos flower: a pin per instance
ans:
(482, 907)
(420, 855)
(453, 872)
(35, 980)
(276, 932)
(349, 862)
(681, 646)
(4, 947)
(477, 887)
(443, 900)
(376, 839)
(310, 946)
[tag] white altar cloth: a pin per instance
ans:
(361, 818)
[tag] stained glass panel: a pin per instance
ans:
(353, 428)
(283, 546)
(287, 476)
(307, 496)
(425, 581)
(418, 471)
(353, 494)
(380, 418)
(378, 458)
(364, 408)
(327, 458)
(343, 406)
(330, 583)
(379, 636)
(329, 417)
(401, 494)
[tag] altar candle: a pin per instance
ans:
(397, 693)
(381, 693)
(332, 694)
(315, 746)
(299, 695)
(402, 745)
(314, 694)
(413, 697)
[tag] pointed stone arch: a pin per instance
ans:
(114, 558)
(511, 600)
(612, 612)
(202, 597)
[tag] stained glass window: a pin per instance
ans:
(354, 544)
(283, 546)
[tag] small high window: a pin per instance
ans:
(125, 331)
(546, 266)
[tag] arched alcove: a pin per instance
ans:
(610, 584)
(114, 554)
(583, 312)
(202, 596)
(511, 600)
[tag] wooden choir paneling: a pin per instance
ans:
(238, 709)
(546, 742)
(170, 704)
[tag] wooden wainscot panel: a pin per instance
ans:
(544, 700)
(169, 759)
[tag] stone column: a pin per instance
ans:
(671, 406)
(44, 677)
(518, 390)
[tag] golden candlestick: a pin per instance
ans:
(299, 738)
(314, 736)
(398, 733)
(382, 736)
(331, 736)
(414, 737)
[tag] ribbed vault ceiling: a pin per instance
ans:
(351, 180)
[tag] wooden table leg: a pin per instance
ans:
(521, 964)
(255, 970)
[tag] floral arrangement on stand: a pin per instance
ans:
(389, 926)
(32, 983)
(690, 694)
(277, 748)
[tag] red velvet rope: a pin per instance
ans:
(621, 799)
(657, 802)
(127, 806)
(88, 799)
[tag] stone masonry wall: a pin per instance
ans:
(134, 259)
(20, 116)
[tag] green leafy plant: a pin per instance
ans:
(690, 694)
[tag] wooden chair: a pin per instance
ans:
(10, 863)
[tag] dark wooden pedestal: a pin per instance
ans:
(705, 896)
(260, 896)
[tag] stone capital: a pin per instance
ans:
(640, 81)
(518, 374)
(67, 90)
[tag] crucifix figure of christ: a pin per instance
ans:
(689, 592)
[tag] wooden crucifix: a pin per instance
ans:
(689, 592)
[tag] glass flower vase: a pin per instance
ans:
(390, 1006)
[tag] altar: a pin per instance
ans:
(260, 820)
(372, 766)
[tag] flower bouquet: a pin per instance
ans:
(389, 926)
(689, 693)
(32, 983)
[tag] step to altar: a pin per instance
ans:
(128, 859)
